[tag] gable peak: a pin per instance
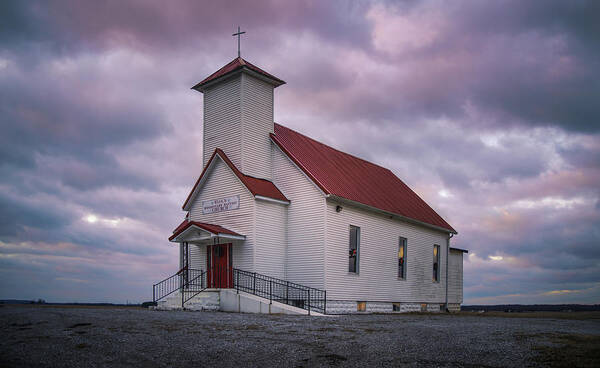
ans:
(237, 65)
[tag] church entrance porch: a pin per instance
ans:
(219, 266)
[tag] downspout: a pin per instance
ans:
(450, 235)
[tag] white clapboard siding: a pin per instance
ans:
(181, 265)
(306, 222)
(455, 277)
(197, 256)
(378, 259)
(222, 120)
(257, 124)
(270, 238)
(222, 183)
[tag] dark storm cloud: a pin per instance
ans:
(583, 156)
(17, 215)
(540, 60)
(519, 64)
(458, 155)
(577, 18)
(75, 116)
(47, 222)
(71, 116)
(72, 25)
(539, 64)
(538, 239)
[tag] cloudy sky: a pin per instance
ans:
(489, 110)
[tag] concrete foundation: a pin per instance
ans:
(229, 300)
(208, 300)
(453, 307)
(351, 307)
(433, 308)
(409, 308)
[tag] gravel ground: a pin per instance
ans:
(135, 337)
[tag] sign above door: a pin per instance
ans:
(219, 205)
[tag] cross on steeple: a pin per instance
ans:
(238, 34)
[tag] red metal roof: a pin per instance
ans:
(346, 176)
(213, 229)
(235, 64)
(256, 186)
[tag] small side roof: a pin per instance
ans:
(213, 230)
(256, 186)
(459, 250)
(237, 64)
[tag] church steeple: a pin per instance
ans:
(238, 115)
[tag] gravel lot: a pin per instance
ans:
(135, 337)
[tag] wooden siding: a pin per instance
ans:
(222, 183)
(180, 256)
(455, 277)
(270, 238)
(222, 120)
(306, 222)
(257, 124)
(378, 263)
(197, 256)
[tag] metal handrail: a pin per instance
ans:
(281, 291)
(171, 284)
(274, 289)
(192, 282)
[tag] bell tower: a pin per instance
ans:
(238, 116)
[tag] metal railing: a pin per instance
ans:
(281, 291)
(192, 282)
(220, 277)
(196, 283)
(173, 283)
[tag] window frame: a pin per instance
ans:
(436, 260)
(357, 256)
(361, 306)
(402, 243)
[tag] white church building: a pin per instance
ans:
(279, 219)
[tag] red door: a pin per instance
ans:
(219, 271)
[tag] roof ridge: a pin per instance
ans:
(336, 149)
(232, 67)
(254, 177)
(218, 70)
(211, 228)
(275, 192)
(356, 179)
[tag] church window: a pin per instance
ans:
(353, 249)
(436, 263)
(402, 258)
